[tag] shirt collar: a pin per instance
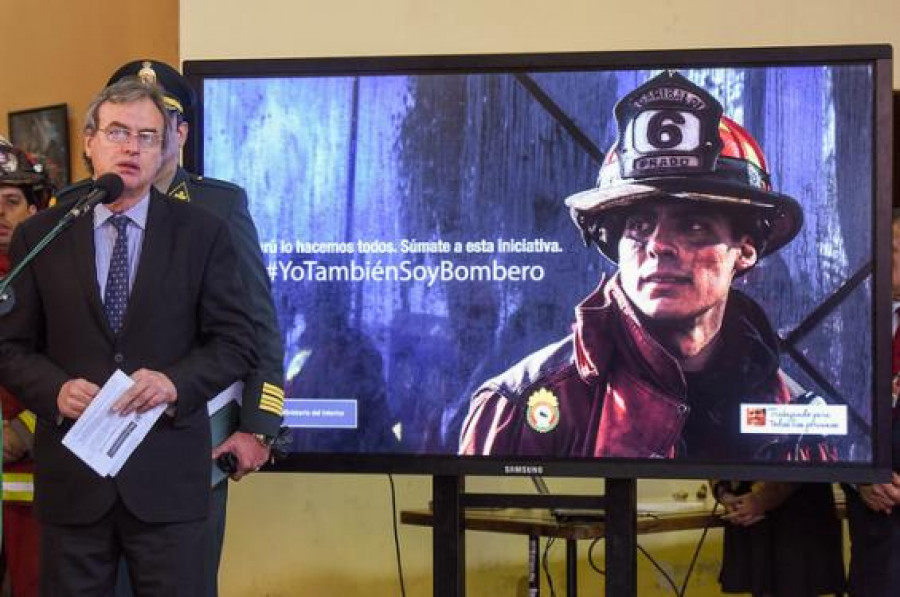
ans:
(137, 213)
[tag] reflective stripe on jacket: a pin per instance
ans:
(18, 487)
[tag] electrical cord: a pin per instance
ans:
(602, 572)
(687, 576)
(546, 566)
(591, 562)
(660, 569)
(396, 535)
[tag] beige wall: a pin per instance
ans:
(63, 51)
(291, 28)
(320, 535)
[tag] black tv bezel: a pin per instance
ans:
(878, 55)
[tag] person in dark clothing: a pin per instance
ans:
(782, 540)
(873, 510)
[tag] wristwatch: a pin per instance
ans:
(264, 440)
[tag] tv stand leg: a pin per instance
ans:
(534, 566)
(448, 537)
(572, 568)
(621, 537)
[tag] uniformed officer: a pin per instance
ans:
(263, 394)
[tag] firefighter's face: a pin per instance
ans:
(14, 208)
(677, 260)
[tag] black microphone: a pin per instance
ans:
(105, 189)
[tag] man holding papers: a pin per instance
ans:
(247, 428)
(146, 285)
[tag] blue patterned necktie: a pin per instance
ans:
(115, 296)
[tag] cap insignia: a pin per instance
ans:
(147, 75)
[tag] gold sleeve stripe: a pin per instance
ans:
(273, 395)
(273, 391)
(272, 402)
(275, 409)
(276, 402)
(29, 419)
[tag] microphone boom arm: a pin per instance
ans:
(7, 296)
(106, 189)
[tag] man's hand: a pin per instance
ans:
(881, 497)
(742, 510)
(74, 396)
(150, 389)
(13, 446)
(249, 452)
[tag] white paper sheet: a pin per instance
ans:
(104, 439)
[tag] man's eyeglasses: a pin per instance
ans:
(121, 136)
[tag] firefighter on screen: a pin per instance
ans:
(664, 352)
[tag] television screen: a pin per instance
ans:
(654, 264)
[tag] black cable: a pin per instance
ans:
(599, 570)
(396, 535)
(545, 565)
(687, 575)
(660, 568)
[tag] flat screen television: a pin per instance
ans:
(431, 228)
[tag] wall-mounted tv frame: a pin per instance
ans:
(425, 222)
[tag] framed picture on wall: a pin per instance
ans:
(44, 133)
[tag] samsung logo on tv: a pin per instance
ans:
(523, 469)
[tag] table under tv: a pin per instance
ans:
(538, 522)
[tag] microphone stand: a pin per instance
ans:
(7, 294)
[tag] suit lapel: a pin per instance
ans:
(155, 255)
(82, 236)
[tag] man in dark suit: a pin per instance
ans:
(147, 285)
(263, 396)
(873, 510)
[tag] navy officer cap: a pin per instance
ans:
(178, 95)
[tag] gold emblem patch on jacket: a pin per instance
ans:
(180, 192)
(543, 411)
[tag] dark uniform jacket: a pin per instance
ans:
(611, 390)
(186, 317)
(263, 399)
